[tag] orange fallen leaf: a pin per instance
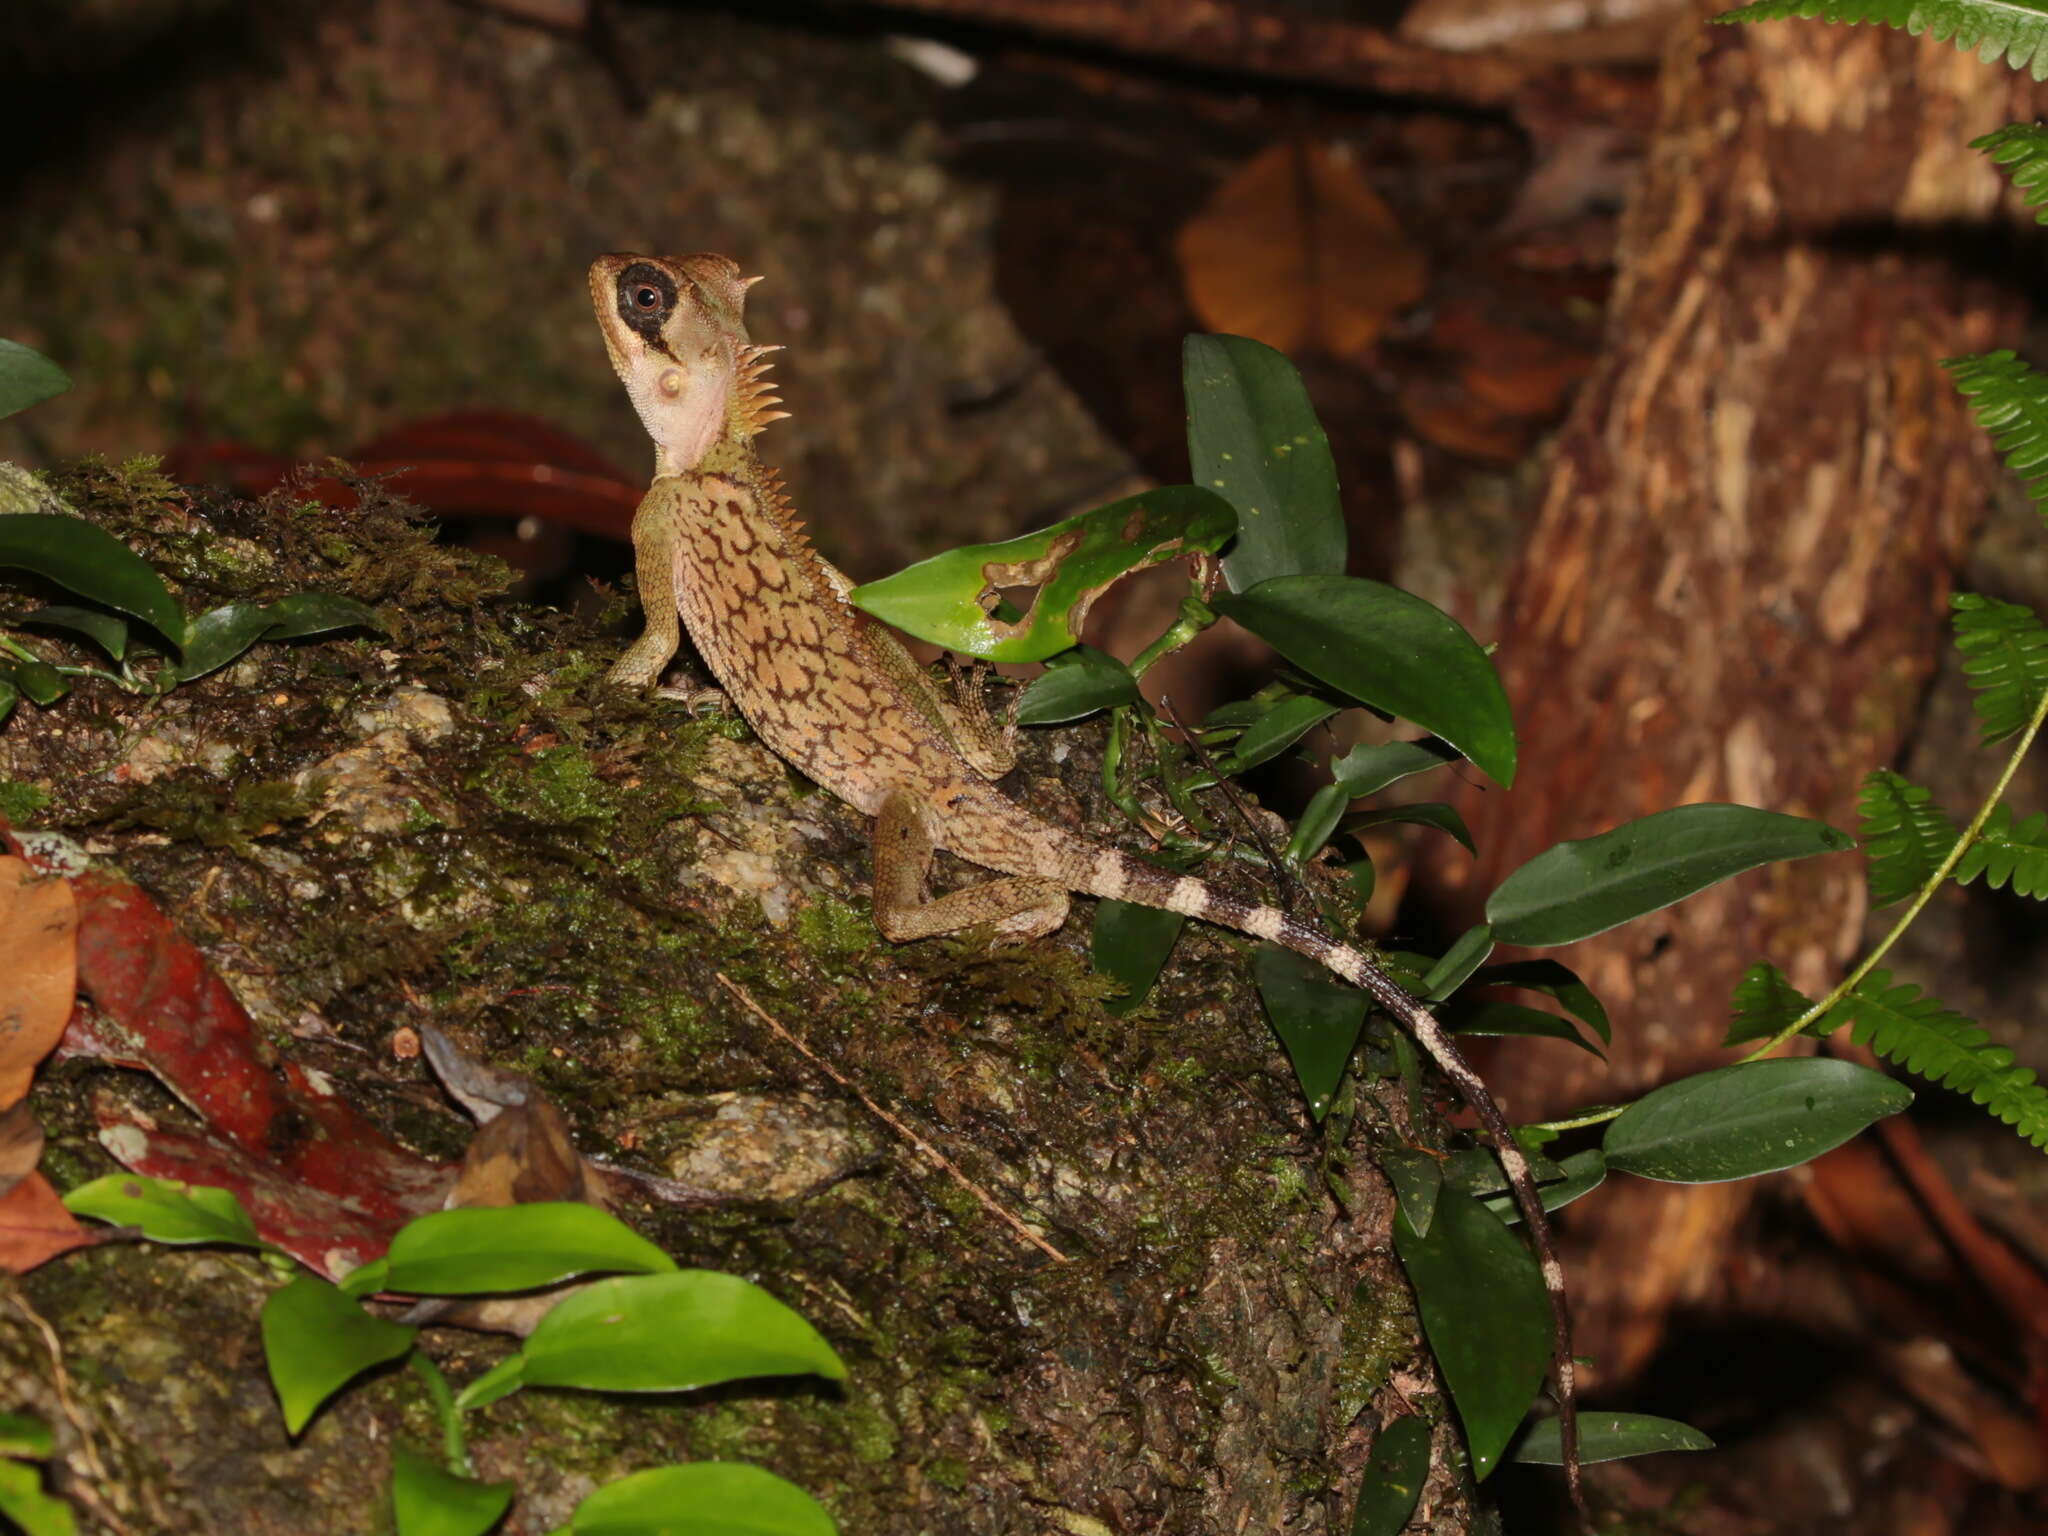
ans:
(39, 958)
(35, 1227)
(1296, 250)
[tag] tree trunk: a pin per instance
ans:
(1734, 586)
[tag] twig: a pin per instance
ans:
(938, 1159)
(83, 1493)
(1283, 877)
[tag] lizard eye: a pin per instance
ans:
(647, 297)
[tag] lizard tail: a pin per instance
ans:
(1120, 877)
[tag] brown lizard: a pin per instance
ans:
(835, 694)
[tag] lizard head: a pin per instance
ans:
(674, 329)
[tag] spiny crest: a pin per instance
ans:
(753, 392)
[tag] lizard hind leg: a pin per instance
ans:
(1020, 909)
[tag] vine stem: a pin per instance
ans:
(453, 1446)
(1924, 895)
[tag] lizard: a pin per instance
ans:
(717, 547)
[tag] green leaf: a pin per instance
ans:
(1077, 684)
(1319, 818)
(501, 1380)
(93, 563)
(1486, 1315)
(1425, 813)
(1577, 889)
(9, 697)
(24, 1435)
(27, 378)
(1291, 718)
(1416, 1176)
(1368, 770)
(2013, 29)
(316, 1341)
(1941, 1045)
(1394, 1475)
(1131, 944)
(1478, 1170)
(2005, 852)
(37, 681)
(23, 1501)
(1253, 437)
(1765, 1002)
(1581, 1174)
(672, 1333)
(1904, 834)
(1466, 954)
(1389, 649)
(704, 1498)
(1609, 1437)
(218, 636)
(103, 629)
(2010, 401)
(487, 1248)
(941, 599)
(2005, 659)
(1553, 980)
(1316, 1017)
(316, 613)
(1752, 1118)
(165, 1211)
(1493, 1019)
(430, 1501)
(2022, 148)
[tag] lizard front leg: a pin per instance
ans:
(1020, 909)
(657, 527)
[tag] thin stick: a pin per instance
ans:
(938, 1159)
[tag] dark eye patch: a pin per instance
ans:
(646, 295)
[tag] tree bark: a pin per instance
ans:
(1734, 584)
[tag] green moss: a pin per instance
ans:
(870, 1433)
(1378, 1336)
(835, 931)
(20, 802)
(949, 1472)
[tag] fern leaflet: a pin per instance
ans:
(1765, 1002)
(2022, 148)
(2005, 852)
(2005, 658)
(2015, 30)
(2010, 401)
(1904, 833)
(1943, 1047)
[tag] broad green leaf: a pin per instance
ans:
(1577, 889)
(106, 631)
(1316, 1017)
(1394, 1475)
(1319, 818)
(1554, 980)
(1254, 439)
(1368, 770)
(1131, 943)
(428, 1500)
(1425, 813)
(703, 1498)
(672, 1333)
(27, 378)
(1609, 1437)
(1389, 649)
(9, 697)
(1466, 954)
(1904, 835)
(1279, 728)
(93, 563)
(941, 599)
(165, 1211)
(1765, 1002)
(2004, 647)
(1486, 1316)
(37, 681)
(1581, 1174)
(1478, 1170)
(1493, 1019)
(316, 613)
(218, 636)
(1755, 1117)
(26, 1436)
(1416, 1176)
(486, 1248)
(2015, 30)
(1077, 684)
(2008, 851)
(33, 1511)
(316, 1341)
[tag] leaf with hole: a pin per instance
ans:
(1752, 1118)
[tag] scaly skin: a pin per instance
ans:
(834, 693)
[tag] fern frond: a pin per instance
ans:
(2010, 401)
(1904, 833)
(2005, 852)
(2005, 659)
(1765, 1002)
(2015, 30)
(1944, 1047)
(2022, 148)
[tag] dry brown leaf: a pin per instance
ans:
(35, 1227)
(21, 1145)
(1295, 250)
(39, 958)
